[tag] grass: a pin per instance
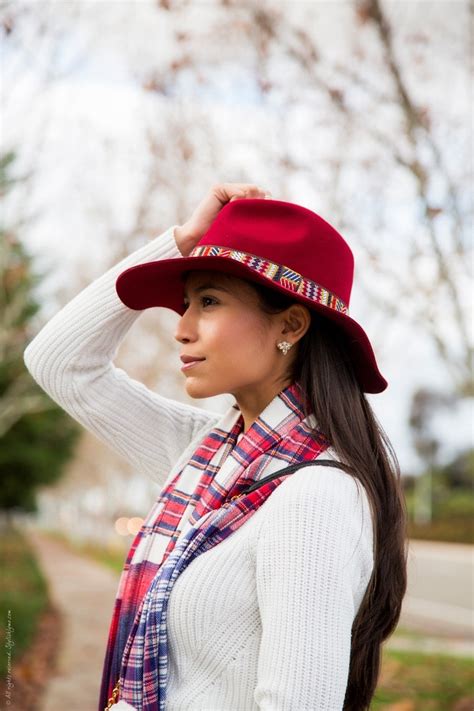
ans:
(459, 530)
(453, 517)
(23, 596)
(406, 632)
(431, 682)
(112, 557)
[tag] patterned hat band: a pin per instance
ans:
(277, 274)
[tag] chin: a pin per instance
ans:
(199, 390)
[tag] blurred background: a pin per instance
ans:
(116, 118)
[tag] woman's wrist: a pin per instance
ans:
(185, 241)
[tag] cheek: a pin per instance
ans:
(241, 336)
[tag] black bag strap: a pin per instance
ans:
(290, 470)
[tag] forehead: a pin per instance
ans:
(199, 278)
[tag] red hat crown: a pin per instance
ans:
(286, 236)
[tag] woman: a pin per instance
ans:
(273, 564)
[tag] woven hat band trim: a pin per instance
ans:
(278, 274)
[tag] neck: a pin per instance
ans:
(252, 401)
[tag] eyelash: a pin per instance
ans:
(210, 298)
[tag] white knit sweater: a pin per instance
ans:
(263, 620)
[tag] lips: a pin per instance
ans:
(190, 362)
(190, 359)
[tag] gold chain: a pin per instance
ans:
(114, 698)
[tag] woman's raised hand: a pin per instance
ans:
(189, 234)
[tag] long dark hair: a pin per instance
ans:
(342, 411)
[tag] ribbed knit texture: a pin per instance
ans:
(263, 620)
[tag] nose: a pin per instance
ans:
(185, 330)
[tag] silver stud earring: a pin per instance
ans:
(284, 346)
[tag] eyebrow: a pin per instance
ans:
(208, 285)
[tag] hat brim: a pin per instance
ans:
(161, 283)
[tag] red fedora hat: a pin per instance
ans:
(279, 244)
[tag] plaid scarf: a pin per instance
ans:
(191, 515)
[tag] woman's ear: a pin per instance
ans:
(296, 321)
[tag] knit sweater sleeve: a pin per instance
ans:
(71, 359)
(314, 561)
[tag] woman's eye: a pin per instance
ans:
(208, 298)
(204, 299)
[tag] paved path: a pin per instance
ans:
(84, 592)
(440, 592)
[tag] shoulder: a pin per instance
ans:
(324, 480)
(324, 501)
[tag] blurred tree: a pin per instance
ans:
(36, 436)
(425, 404)
(460, 471)
(440, 501)
(447, 219)
(434, 263)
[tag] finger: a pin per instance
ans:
(234, 188)
(237, 191)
